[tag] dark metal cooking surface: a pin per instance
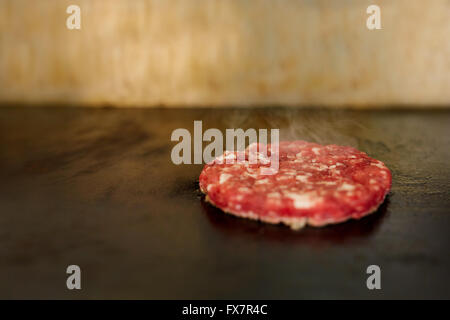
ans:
(97, 188)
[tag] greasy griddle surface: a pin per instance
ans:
(97, 188)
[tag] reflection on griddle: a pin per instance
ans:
(346, 233)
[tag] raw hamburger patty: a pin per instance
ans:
(315, 184)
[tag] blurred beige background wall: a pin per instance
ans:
(230, 52)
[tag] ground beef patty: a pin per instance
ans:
(315, 184)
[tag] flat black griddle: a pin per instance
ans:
(96, 188)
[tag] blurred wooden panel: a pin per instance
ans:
(200, 52)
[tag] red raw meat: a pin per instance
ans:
(315, 184)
